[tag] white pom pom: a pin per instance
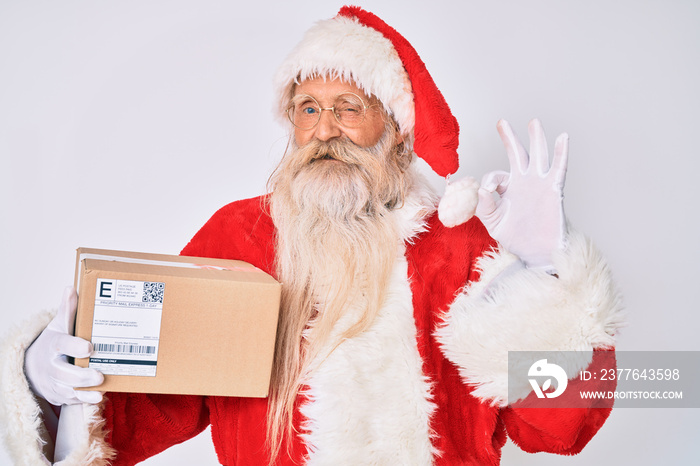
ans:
(459, 202)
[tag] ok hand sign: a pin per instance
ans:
(527, 218)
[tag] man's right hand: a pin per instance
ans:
(46, 364)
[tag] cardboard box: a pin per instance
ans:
(175, 324)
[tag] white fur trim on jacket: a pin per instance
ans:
(20, 415)
(529, 310)
(368, 400)
(343, 48)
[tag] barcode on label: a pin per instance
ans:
(130, 349)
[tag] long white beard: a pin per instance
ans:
(336, 244)
(336, 238)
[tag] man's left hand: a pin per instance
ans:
(527, 218)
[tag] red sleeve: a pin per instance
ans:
(562, 429)
(142, 425)
(242, 230)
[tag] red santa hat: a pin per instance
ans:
(357, 46)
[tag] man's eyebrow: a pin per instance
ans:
(302, 97)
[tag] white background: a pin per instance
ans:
(126, 124)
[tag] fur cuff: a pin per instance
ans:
(21, 419)
(92, 448)
(529, 310)
(20, 414)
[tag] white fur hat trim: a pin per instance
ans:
(341, 47)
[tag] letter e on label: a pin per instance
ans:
(105, 288)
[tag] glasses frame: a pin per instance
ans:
(290, 113)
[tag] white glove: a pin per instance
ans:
(528, 219)
(46, 364)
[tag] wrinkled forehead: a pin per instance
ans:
(326, 88)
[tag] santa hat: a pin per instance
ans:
(357, 46)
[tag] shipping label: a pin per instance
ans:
(126, 326)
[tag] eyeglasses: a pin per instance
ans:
(348, 109)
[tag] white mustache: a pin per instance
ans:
(343, 150)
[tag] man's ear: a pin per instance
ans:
(403, 157)
(398, 137)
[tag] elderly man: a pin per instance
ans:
(395, 321)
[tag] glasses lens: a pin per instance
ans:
(349, 110)
(304, 112)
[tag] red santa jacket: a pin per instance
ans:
(456, 415)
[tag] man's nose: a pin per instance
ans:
(327, 127)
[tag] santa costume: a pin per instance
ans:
(427, 382)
